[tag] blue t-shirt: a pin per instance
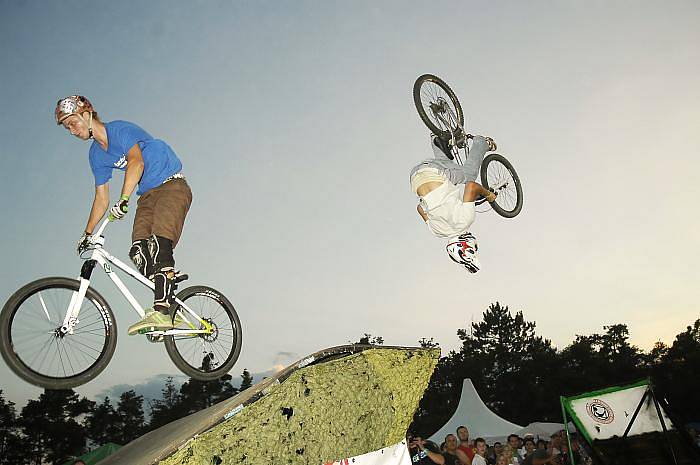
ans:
(160, 162)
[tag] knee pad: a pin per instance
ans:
(142, 258)
(161, 251)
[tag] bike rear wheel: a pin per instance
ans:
(499, 176)
(207, 356)
(34, 347)
(438, 106)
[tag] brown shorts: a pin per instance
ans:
(162, 211)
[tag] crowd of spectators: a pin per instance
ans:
(460, 449)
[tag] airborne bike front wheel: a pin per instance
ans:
(438, 106)
(206, 356)
(38, 351)
(499, 176)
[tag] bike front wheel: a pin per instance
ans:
(38, 351)
(499, 176)
(206, 356)
(438, 106)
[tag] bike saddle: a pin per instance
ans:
(444, 146)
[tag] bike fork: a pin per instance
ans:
(76, 300)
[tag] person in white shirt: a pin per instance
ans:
(447, 210)
(480, 456)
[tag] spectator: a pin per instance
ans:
(540, 457)
(541, 444)
(454, 456)
(694, 436)
(555, 444)
(424, 452)
(529, 446)
(464, 443)
(514, 443)
(493, 453)
(508, 452)
(480, 456)
(576, 446)
(503, 459)
(565, 458)
(498, 448)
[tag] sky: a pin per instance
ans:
(297, 131)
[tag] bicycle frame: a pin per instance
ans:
(445, 115)
(448, 121)
(100, 256)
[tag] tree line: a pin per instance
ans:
(60, 425)
(520, 375)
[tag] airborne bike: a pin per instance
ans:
(442, 113)
(59, 333)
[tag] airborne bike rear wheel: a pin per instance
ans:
(438, 106)
(207, 356)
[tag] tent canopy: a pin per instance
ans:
(541, 429)
(477, 417)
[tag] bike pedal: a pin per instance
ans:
(152, 329)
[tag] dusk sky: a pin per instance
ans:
(297, 131)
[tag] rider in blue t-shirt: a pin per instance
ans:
(164, 201)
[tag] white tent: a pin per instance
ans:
(541, 430)
(476, 416)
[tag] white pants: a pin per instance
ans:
(448, 215)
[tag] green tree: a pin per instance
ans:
(51, 426)
(600, 360)
(131, 417)
(677, 376)
(11, 449)
(168, 408)
(623, 359)
(103, 424)
(656, 355)
(507, 362)
(196, 395)
(369, 339)
(428, 343)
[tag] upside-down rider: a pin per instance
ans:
(447, 210)
(164, 201)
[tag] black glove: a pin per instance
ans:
(84, 242)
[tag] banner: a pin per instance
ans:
(393, 455)
(607, 413)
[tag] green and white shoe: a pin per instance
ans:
(178, 321)
(153, 321)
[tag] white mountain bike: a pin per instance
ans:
(58, 333)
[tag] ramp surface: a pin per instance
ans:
(339, 402)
